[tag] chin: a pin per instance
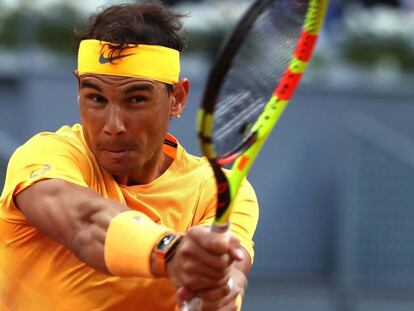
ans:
(117, 170)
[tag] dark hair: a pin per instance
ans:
(146, 23)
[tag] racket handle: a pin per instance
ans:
(195, 304)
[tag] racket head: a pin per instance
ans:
(249, 69)
(250, 85)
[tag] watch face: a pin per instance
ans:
(165, 241)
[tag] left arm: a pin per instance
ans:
(244, 219)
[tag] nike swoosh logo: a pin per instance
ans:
(105, 60)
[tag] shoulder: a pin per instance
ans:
(69, 138)
(51, 154)
(196, 165)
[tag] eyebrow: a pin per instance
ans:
(133, 88)
(139, 87)
(91, 85)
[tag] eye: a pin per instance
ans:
(137, 99)
(97, 99)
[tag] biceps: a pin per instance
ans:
(61, 209)
(42, 205)
(75, 216)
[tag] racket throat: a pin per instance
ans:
(231, 156)
(223, 194)
(220, 228)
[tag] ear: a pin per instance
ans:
(78, 79)
(179, 97)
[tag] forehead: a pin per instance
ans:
(116, 81)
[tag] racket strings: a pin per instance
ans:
(234, 121)
(255, 71)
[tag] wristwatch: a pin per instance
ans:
(165, 249)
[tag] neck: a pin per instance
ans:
(147, 173)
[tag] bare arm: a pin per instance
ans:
(79, 218)
(75, 216)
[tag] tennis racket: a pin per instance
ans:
(265, 57)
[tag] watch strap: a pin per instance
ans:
(165, 250)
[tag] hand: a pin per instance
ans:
(222, 299)
(203, 260)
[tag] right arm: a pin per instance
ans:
(75, 216)
(79, 218)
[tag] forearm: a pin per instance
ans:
(74, 216)
(104, 234)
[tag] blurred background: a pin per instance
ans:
(336, 183)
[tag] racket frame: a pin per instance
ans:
(246, 152)
(228, 181)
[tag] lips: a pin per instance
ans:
(115, 150)
(115, 154)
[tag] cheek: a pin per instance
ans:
(161, 119)
(90, 124)
(89, 116)
(88, 134)
(164, 110)
(83, 111)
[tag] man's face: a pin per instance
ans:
(124, 121)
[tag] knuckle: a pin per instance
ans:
(192, 231)
(218, 276)
(195, 232)
(209, 297)
(222, 263)
(185, 249)
(188, 267)
(210, 244)
(234, 241)
(189, 282)
(226, 290)
(215, 244)
(222, 283)
(210, 306)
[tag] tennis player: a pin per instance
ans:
(113, 213)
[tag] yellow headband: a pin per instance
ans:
(143, 61)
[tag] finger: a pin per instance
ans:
(227, 303)
(236, 253)
(196, 283)
(215, 243)
(216, 294)
(197, 268)
(234, 241)
(183, 294)
(239, 281)
(191, 249)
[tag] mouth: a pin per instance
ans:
(115, 154)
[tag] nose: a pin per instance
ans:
(114, 123)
